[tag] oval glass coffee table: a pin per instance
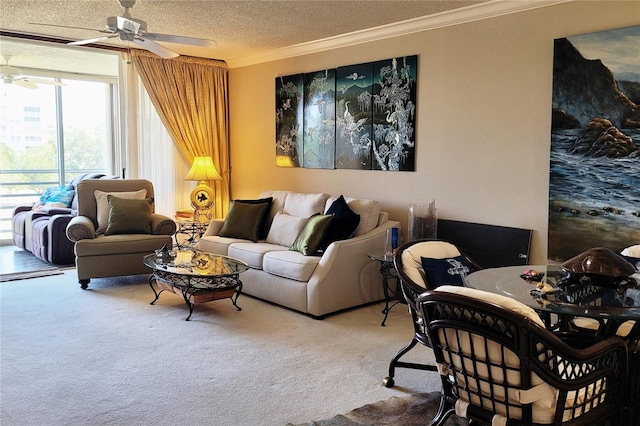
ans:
(197, 276)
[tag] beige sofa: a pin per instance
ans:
(341, 277)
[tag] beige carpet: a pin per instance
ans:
(106, 356)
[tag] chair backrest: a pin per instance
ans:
(408, 264)
(80, 178)
(497, 361)
(631, 251)
(409, 258)
(87, 205)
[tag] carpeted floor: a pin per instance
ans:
(106, 356)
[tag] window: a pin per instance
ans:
(51, 134)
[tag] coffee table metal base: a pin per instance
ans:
(196, 290)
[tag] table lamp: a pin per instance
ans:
(202, 170)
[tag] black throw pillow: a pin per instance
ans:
(445, 271)
(344, 223)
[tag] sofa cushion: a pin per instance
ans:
(312, 235)
(102, 205)
(253, 253)
(128, 216)
(290, 264)
(368, 210)
(344, 224)
(105, 245)
(277, 205)
(285, 229)
(304, 205)
(217, 245)
(245, 221)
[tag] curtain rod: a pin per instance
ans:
(49, 39)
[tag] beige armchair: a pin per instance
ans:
(115, 227)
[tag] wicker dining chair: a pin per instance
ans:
(499, 365)
(413, 282)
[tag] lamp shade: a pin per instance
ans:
(203, 169)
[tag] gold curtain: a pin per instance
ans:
(191, 97)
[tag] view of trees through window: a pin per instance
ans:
(50, 135)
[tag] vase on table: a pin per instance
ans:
(423, 221)
(393, 240)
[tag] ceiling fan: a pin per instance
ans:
(129, 29)
(13, 75)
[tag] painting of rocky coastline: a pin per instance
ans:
(594, 183)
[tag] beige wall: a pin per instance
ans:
(484, 96)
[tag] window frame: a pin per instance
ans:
(114, 134)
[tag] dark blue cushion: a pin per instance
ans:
(344, 223)
(445, 271)
(635, 261)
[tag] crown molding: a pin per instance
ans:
(486, 10)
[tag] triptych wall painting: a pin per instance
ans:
(353, 117)
(594, 183)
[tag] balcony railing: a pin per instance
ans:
(24, 187)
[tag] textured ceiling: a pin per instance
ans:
(242, 29)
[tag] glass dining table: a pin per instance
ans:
(614, 305)
(604, 310)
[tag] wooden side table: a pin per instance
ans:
(392, 293)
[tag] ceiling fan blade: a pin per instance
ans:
(154, 47)
(70, 27)
(43, 81)
(193, 41)
(9, 71)
(91, 40)
(25, 83)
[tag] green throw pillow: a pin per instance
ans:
(128, 216)
(312, 234)
(244, 221)
(264, 227)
